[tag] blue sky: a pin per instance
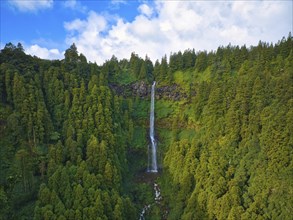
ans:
(101, 28)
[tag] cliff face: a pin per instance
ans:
(173, 92)
(143, 90)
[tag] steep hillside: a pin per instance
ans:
(74, 135)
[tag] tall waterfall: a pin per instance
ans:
(153, 163)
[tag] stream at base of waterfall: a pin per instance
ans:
(158, 202)
(158, 199)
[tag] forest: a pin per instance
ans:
(74, 134)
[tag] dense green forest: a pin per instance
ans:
(74, 134)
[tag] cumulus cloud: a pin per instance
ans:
(145, 10)
(44, 53)
(162, 27)
(31, 6)
(74, 5)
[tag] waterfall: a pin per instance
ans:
(153, 151)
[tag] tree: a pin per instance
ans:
(135, 64)
(4, 207)
(93, 154)
(143, 71)
(150, 68)
(71, 54)
(25, 165)
(19, 47)
(201, 61)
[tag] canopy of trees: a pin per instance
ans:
(70, 146)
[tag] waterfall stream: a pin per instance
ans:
(152, 157)
(153, 152)
(158, 199)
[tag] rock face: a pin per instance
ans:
(172, 92)
(143, 90)
(140, 88)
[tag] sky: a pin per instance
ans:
(103, 28)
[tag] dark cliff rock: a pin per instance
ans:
(143, 90)
(172, 92)
(140, 88)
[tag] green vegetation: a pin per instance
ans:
(72, 147)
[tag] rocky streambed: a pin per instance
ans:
(157, 202)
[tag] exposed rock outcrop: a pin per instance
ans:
(140, 88)
(172, 92)
(143, 90)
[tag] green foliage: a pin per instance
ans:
(125, 77)
(55, 129)
(237, 163)
(72, 148)
(164, 109)
(4, 207)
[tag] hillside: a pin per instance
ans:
(74, 135)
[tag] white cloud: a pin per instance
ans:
(75, 25)
(146, 10)
(118, 2)
(44, 53)
(115, 4)
(235, 33)
(30, 5)
(74, 5)
(70, 4)
(163, 27)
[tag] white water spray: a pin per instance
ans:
(153, 152)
